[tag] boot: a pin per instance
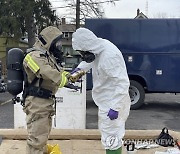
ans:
(53, 149)
(118, 151)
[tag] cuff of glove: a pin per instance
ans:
(64, 79)
(67, 74)
(75, 70)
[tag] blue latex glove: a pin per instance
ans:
(113, 114)
(75, 70)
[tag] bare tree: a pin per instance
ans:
(161, 15)
(85, 9)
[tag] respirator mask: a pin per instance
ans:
(87, 56)
(56, 49)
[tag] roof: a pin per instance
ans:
(141, 15)
(67, 27)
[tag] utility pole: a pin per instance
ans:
(77, 14)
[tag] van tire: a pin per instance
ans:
(137, 94)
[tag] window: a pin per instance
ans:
(66, 34)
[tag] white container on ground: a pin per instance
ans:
(70, 109)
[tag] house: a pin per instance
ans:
(70, 56)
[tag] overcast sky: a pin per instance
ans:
(151, 8)
(128, 8)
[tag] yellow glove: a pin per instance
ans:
(64, 79)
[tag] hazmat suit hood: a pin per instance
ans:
(47, 36)
(85, 40)
(50, 40)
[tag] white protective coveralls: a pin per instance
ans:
(110, 84)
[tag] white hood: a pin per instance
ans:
(90, 41)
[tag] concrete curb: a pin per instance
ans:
(84, 134)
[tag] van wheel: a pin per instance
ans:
(137, 94)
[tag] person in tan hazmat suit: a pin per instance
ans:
(44, 77)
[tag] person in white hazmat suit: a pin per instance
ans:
(110, 85)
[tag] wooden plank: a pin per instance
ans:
(63, 134)
(85, 134)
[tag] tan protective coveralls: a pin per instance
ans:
(39, 111)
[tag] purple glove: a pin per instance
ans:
(75, 70)
(112, 114)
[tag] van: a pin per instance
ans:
(151, 50)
